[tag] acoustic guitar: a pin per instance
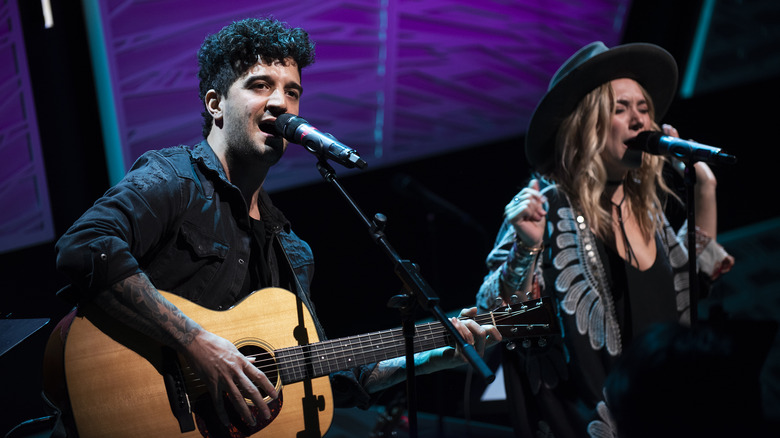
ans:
(123, 384)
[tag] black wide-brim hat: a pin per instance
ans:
(651, 66)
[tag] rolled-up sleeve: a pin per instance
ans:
(490, 291)
(349, 387)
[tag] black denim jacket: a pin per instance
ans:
(177, 218)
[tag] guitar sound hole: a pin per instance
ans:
(264, 361)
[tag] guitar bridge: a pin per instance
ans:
(177, 390)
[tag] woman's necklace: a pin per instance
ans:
(629, 251)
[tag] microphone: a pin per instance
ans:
(297, 130)
(654, 142)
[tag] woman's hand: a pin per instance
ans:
(527, 215)
(704, 190)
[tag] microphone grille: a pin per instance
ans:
(287, 123)
(647, 141)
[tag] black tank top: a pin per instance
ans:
(643, 298)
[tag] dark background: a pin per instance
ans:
(448, 236)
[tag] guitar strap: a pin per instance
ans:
(300, 292)
(311, 403)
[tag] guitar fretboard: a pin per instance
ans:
(315, 360)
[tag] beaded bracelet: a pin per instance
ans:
(520, 247)
(517, 264)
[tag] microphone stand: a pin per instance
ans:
(689, 176)
(417, 289)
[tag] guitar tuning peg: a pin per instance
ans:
(526, 343)
(542, 342)
(510, 346)
(497, 302)
(514, 299)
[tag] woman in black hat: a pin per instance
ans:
(590, 231)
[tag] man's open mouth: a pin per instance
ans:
(269, 128)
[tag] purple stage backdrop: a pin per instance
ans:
(395, 79)
(25, 215)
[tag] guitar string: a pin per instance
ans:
(333, 351)
(330, 351)
(286, 362)
(290, 359)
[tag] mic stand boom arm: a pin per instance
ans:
(416, 287)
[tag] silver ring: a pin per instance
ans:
(516, 200)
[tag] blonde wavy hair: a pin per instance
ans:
(579, 170)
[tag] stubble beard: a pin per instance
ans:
(244, 151)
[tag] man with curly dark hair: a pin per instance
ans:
(225, 56)
(196, 223)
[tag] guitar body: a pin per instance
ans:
(116, 388)
(119, 383)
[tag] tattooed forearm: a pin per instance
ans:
(137, 303)
(392, 371)
(386, 374)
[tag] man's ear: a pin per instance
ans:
(213, 103)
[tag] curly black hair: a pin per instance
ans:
(226, 55)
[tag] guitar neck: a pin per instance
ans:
(319, 359)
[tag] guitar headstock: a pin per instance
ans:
(535, 318)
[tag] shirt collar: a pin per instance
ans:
(270, 214)
(203, 151)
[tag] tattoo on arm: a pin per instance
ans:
(393, 371)
(137, 303)
(386, 374)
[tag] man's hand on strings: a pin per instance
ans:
(225, 371)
